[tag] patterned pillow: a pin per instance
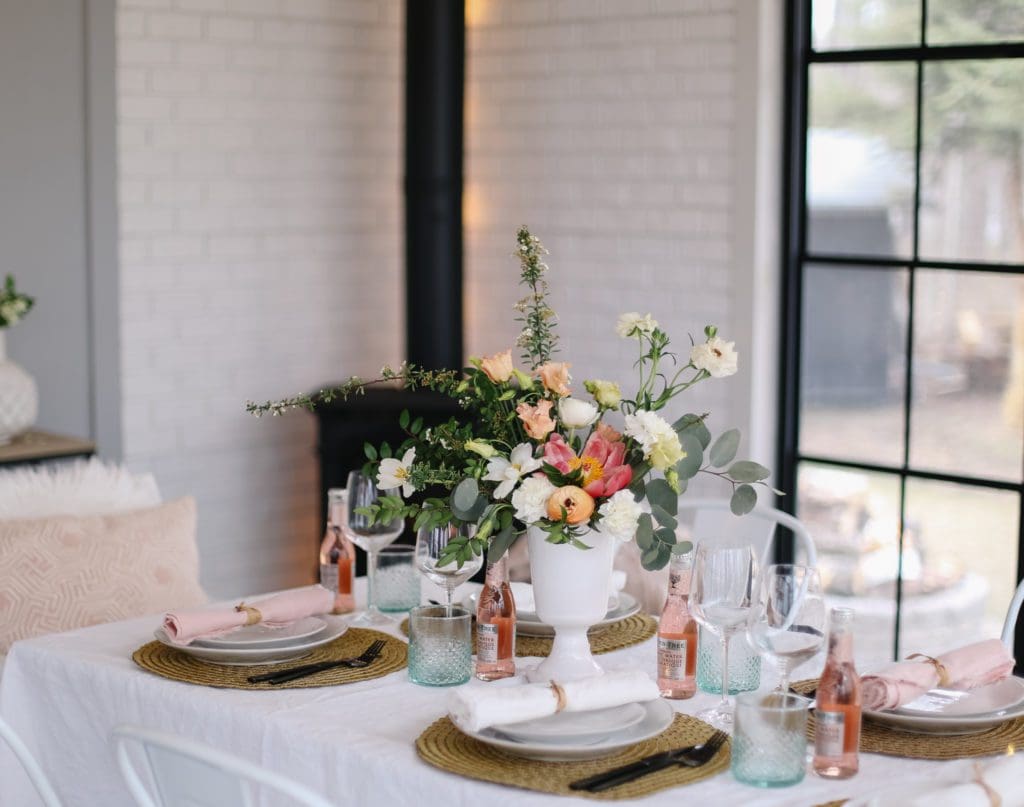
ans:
(68, 572)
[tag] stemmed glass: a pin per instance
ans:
(789, 617)
(721, 600)
(371, 538)
(430, 545)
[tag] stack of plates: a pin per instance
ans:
(951, 711)
(529, 624)
(258, 644)
(568, 736)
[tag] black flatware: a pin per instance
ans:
(294, 673)
(692, 756)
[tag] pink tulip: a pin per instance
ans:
(558, 453)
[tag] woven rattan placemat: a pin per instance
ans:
(624, 633)
(447, 748)
(878, 739)
(171, 663)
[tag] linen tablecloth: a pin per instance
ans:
(64, 694)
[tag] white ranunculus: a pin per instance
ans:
(716, 356)
(656, 437)
(576, 414)
(395, 473)
(633, 324)
(620, 515)
(531, 499)
(509, 471)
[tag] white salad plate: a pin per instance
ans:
(251, 656)
(575, 727)
(949, 711)
(658, 716)
(529, 624)
(264, 636)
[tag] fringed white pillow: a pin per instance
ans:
(80, 488)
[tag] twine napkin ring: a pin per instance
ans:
(252, 615)
(560, 699)
(994, 799)
(940, 668)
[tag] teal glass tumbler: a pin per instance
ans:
(440, 646)
(769, 741)
(397, 580)
(744, 664)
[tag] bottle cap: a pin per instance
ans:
(841, 616)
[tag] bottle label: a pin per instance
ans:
(671, 658)
(329, 576)
(486, 643)
(829, 733)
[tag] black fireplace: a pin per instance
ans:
(434, 79)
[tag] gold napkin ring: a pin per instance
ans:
(994, 798)
(252, 615)
(940, 668)
(560, 699)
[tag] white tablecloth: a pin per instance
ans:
(64, 694)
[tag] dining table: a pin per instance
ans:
(355, 744)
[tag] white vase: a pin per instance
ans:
(571, 587)
(19, 398)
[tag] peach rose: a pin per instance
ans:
(555, 377)
(577, 503)
(536, 419)
(609, 433)
(498, 367)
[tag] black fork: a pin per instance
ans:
(284, 676)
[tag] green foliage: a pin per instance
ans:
(13, 304)
(538, 339)
(724, 449)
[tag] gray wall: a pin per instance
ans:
(58, 207)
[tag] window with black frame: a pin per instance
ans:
(902, 416)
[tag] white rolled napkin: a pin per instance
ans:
(999, 782)
(477, 708)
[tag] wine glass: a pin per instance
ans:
(371, 538)
(430, 545)
(721, 599)
(789, 617)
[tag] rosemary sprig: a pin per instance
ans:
(538, 338)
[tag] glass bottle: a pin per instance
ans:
(337, 555)
(496, 625)
(677, 633)
(838, 713)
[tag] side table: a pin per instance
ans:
(39, 446)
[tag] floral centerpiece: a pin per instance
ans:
(531, 453)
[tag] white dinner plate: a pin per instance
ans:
(658, 716)
(261, 635)
(250, 656)
(576, 727)
(530, 624)
(941, 711)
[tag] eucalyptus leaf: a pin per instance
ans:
(638, 488)
(748, 471)
(688, 466)
(501, 543)
(645, 532)
(693, 424)
(663, 518)
(743, 500)
(665, 536)
(465, 494)
(660, 492)
(724, 449)
(649, 559)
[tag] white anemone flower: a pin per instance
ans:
(576, 414)
(395, 473)
(716, 356)
(634, 324)
(509, 471)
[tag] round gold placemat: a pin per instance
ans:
(445, 747)
(171, 663)
(876, 738)
(624, 633)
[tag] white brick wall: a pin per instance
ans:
(259, 150)
(610, 127)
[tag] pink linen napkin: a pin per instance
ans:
(282, 609)
(965, 668)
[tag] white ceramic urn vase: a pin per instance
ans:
(571, 588)
(19, 398)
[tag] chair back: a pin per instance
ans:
(714, 521)
(184, 773)
(29, 763)
(1012, 614)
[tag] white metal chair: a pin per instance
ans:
(29, 763)
(1012, 613)
(713, 520)
(189, 774)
